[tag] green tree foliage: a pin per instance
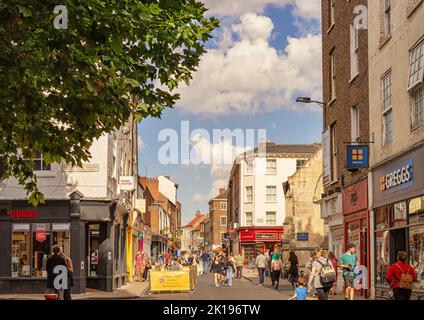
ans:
(62, 89)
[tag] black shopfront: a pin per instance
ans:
(27, 235)
(398, 201)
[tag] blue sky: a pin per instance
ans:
(229, 91)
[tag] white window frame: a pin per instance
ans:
(251, 218)
(354, 49)
(334, 155)
(38, 157)
(355, 124)
(332, 19)
(249, 168)
(246, 199)
(220, 221)
(271, 169)
(387, 6)
(267, 220)
(387, 107)
(333, 75)
(417, 106)
(223, 205)
(271, 197)
(416, 66)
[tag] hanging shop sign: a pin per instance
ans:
(399, 178)
(357, 157)
(126, 183)
(326, 151)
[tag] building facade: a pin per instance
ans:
(303, 227)
(261, 207)
(218, 219)
(344, 203)
(396, 66)
(87, 212)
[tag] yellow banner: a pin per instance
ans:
(170, 280)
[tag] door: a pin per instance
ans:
(398, 243)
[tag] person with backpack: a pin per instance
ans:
(322, 275)
(276, 267)
(348, 262)
(335, 262)
(401, 277)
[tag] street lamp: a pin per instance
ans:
(309, 100)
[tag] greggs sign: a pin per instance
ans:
(23, 214)
(399, 178)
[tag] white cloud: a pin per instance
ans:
(249, 76)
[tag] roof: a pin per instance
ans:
(222, 195)
(272, 148)
(195, 219)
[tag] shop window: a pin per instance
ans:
(21, 241)
(416, 211)
(382, 256)
(416, 253)
(382, 219)
(93, 249)
(61, 237)
(398, 215)
(40, 248)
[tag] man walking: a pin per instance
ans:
(239, 266)
(348, 263)
(205, 259)
(260, 263)
(55, 260)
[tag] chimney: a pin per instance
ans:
(221, 191)
(198, 213)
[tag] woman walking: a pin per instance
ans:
(276, 267)
(230, 268)
(401, 277)
(147, 266)
(294, 269)
(315, 276)
(332, 258)
(217, 269)
(70, 267)
(139, 265)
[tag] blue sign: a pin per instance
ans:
(303, 236)
(398, 177)
(357, 157)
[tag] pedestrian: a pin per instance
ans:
(269, 273)
(348, 263)
(320, 267)
(239, 265)
(55, 260)
(147, 266)
(217, 270)
(300, 293)
(401, 277)
(139, 265)
(223, 277)
(308, 267)
(175, 266)
(260, 264)
(335, 263)
(276, 267)
(230, 267)
(205, 259)
(293, 269)
(70, 268)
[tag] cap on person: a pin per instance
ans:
(351, 245)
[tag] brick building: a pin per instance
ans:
(218, 218)
(344, 203)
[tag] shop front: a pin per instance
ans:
(254, 239)
(356, 226)
(331, 212)
(398, 205)
(159, 245)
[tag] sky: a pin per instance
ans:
(264, 55)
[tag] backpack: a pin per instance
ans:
(406, 279)
(327, 275)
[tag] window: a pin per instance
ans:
(223, 221)
(40, 164)
(386, 94)
(271, 166)
(416, 66)
(249, 194)
(416, 211)
(333, 146)
(271, 218)
(354, 48)
(355, 124)
(249, 168)
(382, 256)
(249, 218)
(300, 163)
(416, 253)
(398, 215)
(40, 248)
(222, 206)
(387, 18)
(271, 193)
(417, 106)
(333, 76)
(331, 17)
(21, 258)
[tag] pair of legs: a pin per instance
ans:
(402, 294)
(271, 274)
(205, 267)
(261, 276)
(217, 277)
(276, 274)
(349, 287)
(230, 276)
(322, 293)
(145, 273)
(293, 280)
(239, 272)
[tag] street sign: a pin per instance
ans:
(357, 157)
(41, 236)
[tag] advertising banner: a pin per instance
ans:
(170, 281)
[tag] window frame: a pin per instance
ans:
(271, 169)
(246, 200)
(355, 124)
(251, 218)
(354, 52)
(267, 194)
(274, 213)
(387, 109)
(417, 106)
(220, 221)
(221, 205)
(387, 20)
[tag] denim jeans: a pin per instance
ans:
(261, 275)
(230, 276)
(205, 267)
(239, 272)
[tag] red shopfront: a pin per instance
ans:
(356, 225)
(253, 239)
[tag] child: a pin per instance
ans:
(300, 292)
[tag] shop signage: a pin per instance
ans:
(302, 236)
(140, 205)
(88, 167)
(357, 157)
(40, 235)
(22, 214)
(400, 178)
(126, 183)
(60, 226)
(266, 236)
(140, 235)
(326, 150)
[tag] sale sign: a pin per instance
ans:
(40, 236)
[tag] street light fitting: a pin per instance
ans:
(309, 100)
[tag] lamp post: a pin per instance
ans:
(309, 100)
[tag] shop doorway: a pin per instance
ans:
(398, 243)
